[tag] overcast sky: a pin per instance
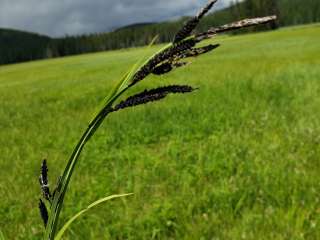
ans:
(61, 17)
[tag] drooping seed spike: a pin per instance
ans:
(162, 69)
(43, 180)
(234, 26)
(152, 95)
(179, 64)
(194, 52)
(168, 67)
(190, 25)
(140, 99)
(43, 212)
(176, 89)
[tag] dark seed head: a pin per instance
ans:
(43, 180)
(234, 26)
(162, 69)
(187, 29)
(152, 95)
(179, 64)
(194, 52)
(206, 9)
(43, 212)
(166, 55)
(44, 172)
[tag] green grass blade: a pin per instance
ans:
(79, 214)
(2, 235)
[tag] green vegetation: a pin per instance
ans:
(290, 12)
(237, 159)
(19, 46)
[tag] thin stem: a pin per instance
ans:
(65, 179)
(63, 184)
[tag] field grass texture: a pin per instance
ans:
(237, 159)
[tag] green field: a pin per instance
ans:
(238, 159)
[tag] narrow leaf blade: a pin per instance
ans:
(94, 204)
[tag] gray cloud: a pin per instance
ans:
(61, 17)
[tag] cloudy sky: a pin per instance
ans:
(61, 17)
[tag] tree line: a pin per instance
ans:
(17, 46)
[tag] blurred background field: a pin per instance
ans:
(238, 159)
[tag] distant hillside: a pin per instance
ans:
(17, 46)
(135, 25)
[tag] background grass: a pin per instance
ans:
(238, 159)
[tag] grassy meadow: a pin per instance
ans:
(237, 159)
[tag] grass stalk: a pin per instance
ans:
(183, 46)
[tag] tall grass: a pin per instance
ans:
(172, 56)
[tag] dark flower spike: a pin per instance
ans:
(163, 68)
(179, 64)
(234, 26)
(43, 179)
(152, 95)
(43, 212)
(167, 67)
(162, 57)
(194, 52)
(190, 25)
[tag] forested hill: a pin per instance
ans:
(18, 46)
